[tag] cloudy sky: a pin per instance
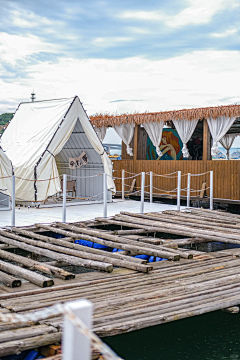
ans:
(121, 55)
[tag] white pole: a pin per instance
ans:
(151, 187)
(77, 345)
(178, 190)
(142, 193)
(64, 198)
(104, 195)
(13, 200)
(123, 184)
(211, 190)
(188, 189)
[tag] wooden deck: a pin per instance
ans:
(133, 294)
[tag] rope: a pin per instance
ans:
(192, 190)
(37, 179)
(128, 172)
(168, 191)
(85, 177)
(200, 174)
(5, 177)
(129, 177)
(167, 175)
(63, 309)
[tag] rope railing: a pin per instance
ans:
(174, 175)
(193, 190)
(132, 189)
(66, 310)
(164, 175)
(126, 178)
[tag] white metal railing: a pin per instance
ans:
(177, 174)
(104, 194)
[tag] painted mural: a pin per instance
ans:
(171, 146)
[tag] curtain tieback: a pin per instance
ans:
(185, 151)
(129, 150)
(159, 151)
(214, 150)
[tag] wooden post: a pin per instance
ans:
(76, 345)
(135, 144)
(206, 142)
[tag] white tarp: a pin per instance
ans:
(5, 173)
(36, 134)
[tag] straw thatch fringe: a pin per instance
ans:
(190, 114)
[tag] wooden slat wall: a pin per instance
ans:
(226, 175)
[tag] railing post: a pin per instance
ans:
(77, 345)
(178, 190)
(188, 189)
(13, 201)
(104, 195)
(64, 198)
(142, 193)
(211, 190)
(123, 183)
(151, 187)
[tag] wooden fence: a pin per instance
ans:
(226, 175)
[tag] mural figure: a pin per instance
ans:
(171, 146)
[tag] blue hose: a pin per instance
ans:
(32, 355)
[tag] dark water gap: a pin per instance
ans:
(212, 336)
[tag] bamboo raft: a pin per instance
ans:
(127, 293)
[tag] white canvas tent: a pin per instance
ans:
(36, 135)
(5, 180)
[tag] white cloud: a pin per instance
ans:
(18, 47)
(196, 12)
(226, 33)
(28, 19)
(111, 41)
(198, 79)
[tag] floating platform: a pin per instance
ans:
(128, 293)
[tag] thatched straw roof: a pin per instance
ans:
(191, 114)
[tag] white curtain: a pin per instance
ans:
(218, 128)
(227, 141)
(185, 129)
(126, 132)
(101, 132)
(154, 131)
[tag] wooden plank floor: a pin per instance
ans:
(125, 300)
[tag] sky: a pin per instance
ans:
(121, 56)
